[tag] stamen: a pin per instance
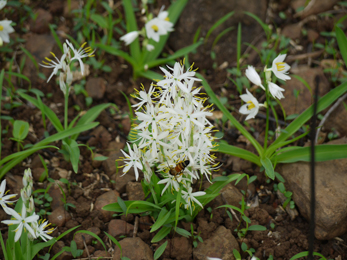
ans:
(251, 105)
(155, 28)
(280, 66)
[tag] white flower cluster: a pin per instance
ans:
(173, 134)
(280, 69)
(153, 29)
(28, 218)
(65, 76)
(5, 26)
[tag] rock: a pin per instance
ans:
(316, 7)
(103, 200)
(118, 227)
(133, 248)
(40, 47)
(292, 31)
(14, 183)
(96, 88)
(110, 166)
(114, 147)
(57, 196)
(226, 243)
(83, 207)
(231, 194)
(205, 229)
(37, 173)
(134, 191)
(202, 14)
(101, 254)
(96, 163)
(293, 105)
(178, 248)
(312, 35)
(79, 237)
(59, 217)
(331, 193)
(56, 7)
(40, 24)
(57, 247)
(100, 137)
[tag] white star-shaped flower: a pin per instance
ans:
(251, 107)
(280, 68)
(5, 199)
(5, 30)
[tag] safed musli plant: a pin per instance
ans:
(64, 66)
(269, 155)
(153, 37)
(174, 137)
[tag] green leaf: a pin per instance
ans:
(323, 153)
(256, 228)
(342, 42)
(183, 232)
(18, 157)
(269, 169)
(238, 152)
(20, 129)
(160, 251)
(135, 51)
(100, 20)
(303, 82)
(266, 28)
(236, 254)
(19, 76)
(140, 207)
(176, 55)
(114, 241)
(93, 235)
(74, 153)
(151, 75)
(163, 216)
(294, 126)
(163, 232)
(228, 115)
(302, 254)
(218, 23)
(114, 51)
(56, 38)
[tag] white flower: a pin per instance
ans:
(170, 181)
(2, 4)
(81, 53)
(5, 30)
(5, 199)
(213, 258)
(155, 28)
(55, 65)
(132, 160)
(275, 90)
(280, 68)
(150, 47)
(40, 230)
(129, 37)
(143, 96)
(189, 197)
(175, 78)
(27, 178)
(251, 107)
(22, 221)
(253, 76)
(164, 16)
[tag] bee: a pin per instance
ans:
(179, 168)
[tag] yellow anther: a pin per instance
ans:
(280, 66)
(251, 105)
(1, 28)
(155, 28)
(48, 59)
(52, 54)
(83, 44)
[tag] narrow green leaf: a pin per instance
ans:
(262, 24)
(302, 254)
(342, 42)
(115, 242)
(114, 51)
(93, 235)
(100, 20)
(238, 152)
(162, 217)
(294, 126)
(256, 228)
(323, 153)
(163, 232)
(226, 112)
(160, 251)
(56, 38)
(218, 23)
(269, 168)
(303, 82)
(151, 75)
(236, 254)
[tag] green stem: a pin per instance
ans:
(267, 117)
(66, 107)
